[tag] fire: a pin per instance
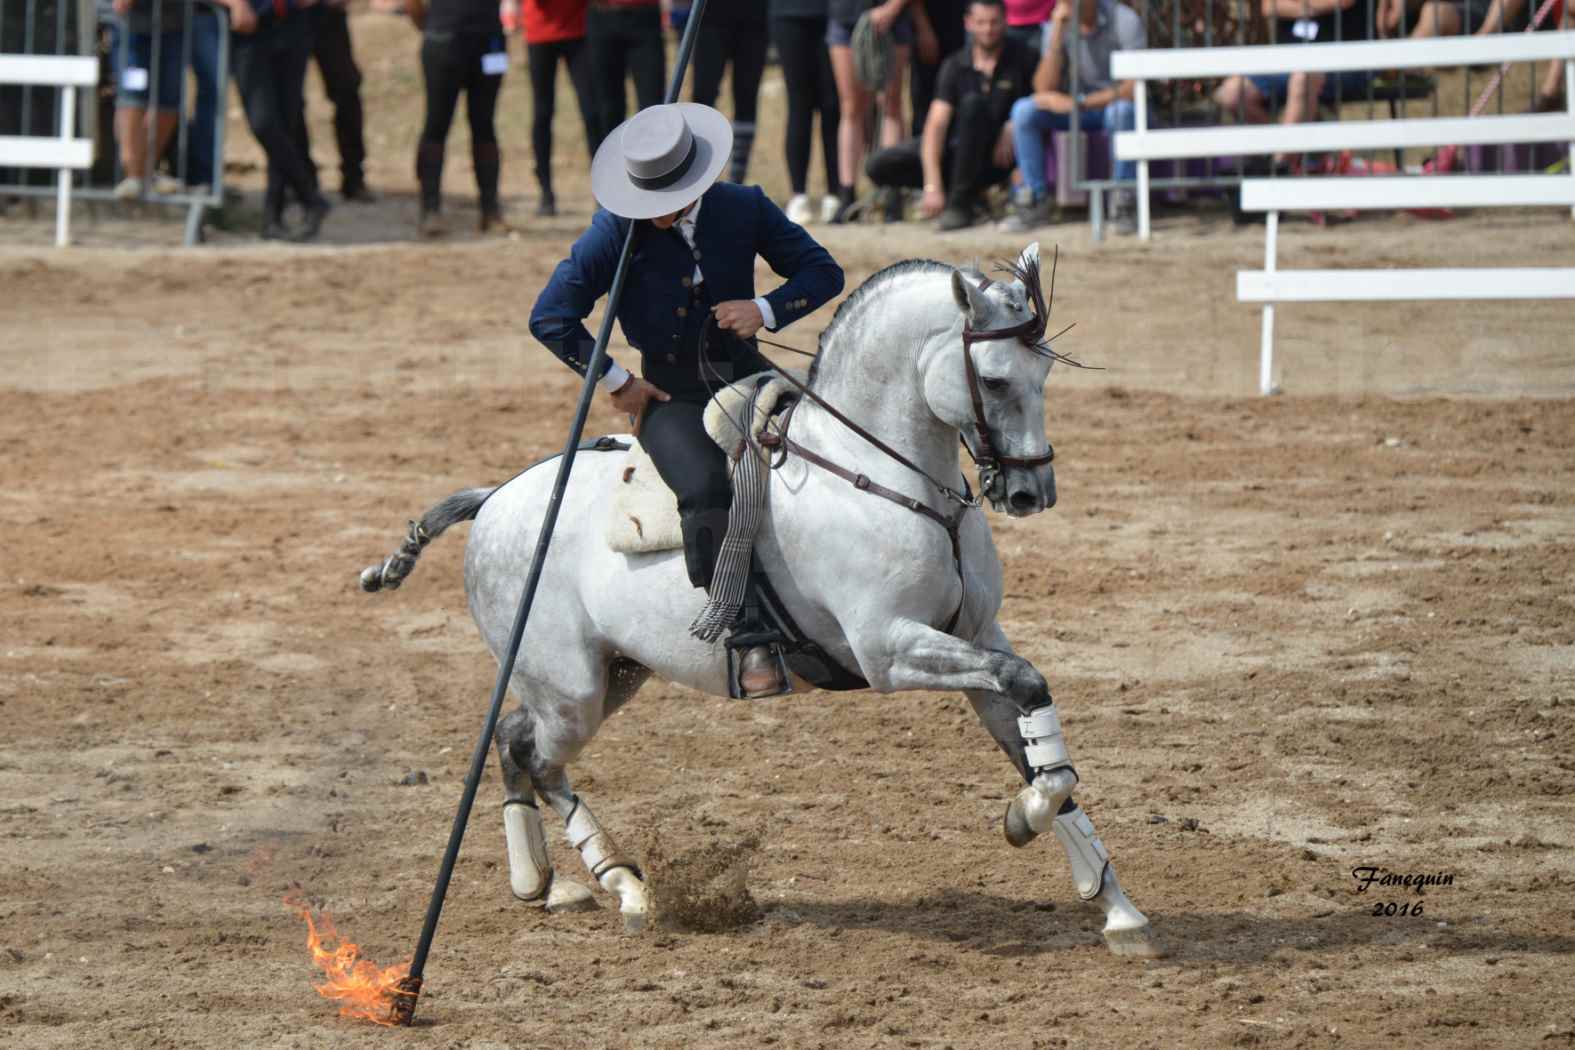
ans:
(362, 988)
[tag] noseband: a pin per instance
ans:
(1029, 332)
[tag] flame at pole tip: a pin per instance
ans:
(362, 989)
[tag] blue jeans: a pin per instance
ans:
(205, 65)
(1031, 128)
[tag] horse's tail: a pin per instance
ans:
(461, 506)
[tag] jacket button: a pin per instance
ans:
(683, 311)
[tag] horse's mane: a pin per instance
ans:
(873, 284)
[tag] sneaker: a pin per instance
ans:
(828, 207)
(1031, 215)
(798, 209)
(358, 193)
(128, 188)
(167, 185)
(312, 225)
(1123, 212)
(954, 218)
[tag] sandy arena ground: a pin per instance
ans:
(1289, 637)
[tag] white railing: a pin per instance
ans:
(1144, 144)
(64, 152)
(1272, 285)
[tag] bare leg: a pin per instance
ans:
(1436, 19)
(891, 120)
(1238, 97)
(851, 131)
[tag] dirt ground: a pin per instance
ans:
(1289, 637)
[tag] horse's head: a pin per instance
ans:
(988, 381)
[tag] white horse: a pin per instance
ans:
(871, 580)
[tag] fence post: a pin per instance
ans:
(1266, 351)
(68, 110)
(1140, 94)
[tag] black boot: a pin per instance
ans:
(429, 172)
(488, 163)
(704, 531)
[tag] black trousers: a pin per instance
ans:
(624, 41)
(946, 18)
(743, 45)
(451, 63)
(270, 71)
(811, 88)
(691, 464)
(967, 162)
(543, 61)
(342, 83)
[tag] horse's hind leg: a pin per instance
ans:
(544, 737)
(1034, 743)
(531, 877)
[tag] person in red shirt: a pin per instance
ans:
(554, 34)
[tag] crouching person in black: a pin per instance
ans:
(689, 307)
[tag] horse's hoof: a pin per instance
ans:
(1015, 823)
(1135, 942)
(633, 922)
(567, 895)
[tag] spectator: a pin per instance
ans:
(268, 53)
(1551, 93)
(199, 170)
(798, 27)
(853, 130)
(967, 143)
(1435, 18)
(342, 83)
(554, 34)
(462, 50)
(734, 33)
(625, 37)
(1026, 21)
(1320, 21)
(148, 35)
(938, 31)
(1103, 28)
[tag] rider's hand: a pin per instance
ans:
(633, 396)
(739, 316)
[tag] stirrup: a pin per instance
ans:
(773, 641)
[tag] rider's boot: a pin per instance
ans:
(759, 672)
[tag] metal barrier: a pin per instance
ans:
(86, 27)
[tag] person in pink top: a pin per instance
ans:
(1026, 21)
(555, 33)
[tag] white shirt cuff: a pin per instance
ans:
(614, 377)
(765, 312)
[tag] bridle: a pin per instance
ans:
(1031, 333)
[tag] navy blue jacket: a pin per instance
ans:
(735, 224)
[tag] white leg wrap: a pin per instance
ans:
(1087, 854)
(595, 845)
(1041, 733)
(530, 872)
(615, 872)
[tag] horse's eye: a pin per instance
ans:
(995, 386)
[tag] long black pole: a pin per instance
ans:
(403, 1007)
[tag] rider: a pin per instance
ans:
(689, 307)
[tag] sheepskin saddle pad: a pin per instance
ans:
(643, 513)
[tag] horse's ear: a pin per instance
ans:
(1029, 260)
(969, 299)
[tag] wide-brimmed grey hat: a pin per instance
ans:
(661, 160)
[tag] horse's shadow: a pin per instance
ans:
(1014, 928)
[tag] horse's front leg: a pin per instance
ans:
(1013, 701)
(1032, 739)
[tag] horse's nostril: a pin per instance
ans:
(1022, 499)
